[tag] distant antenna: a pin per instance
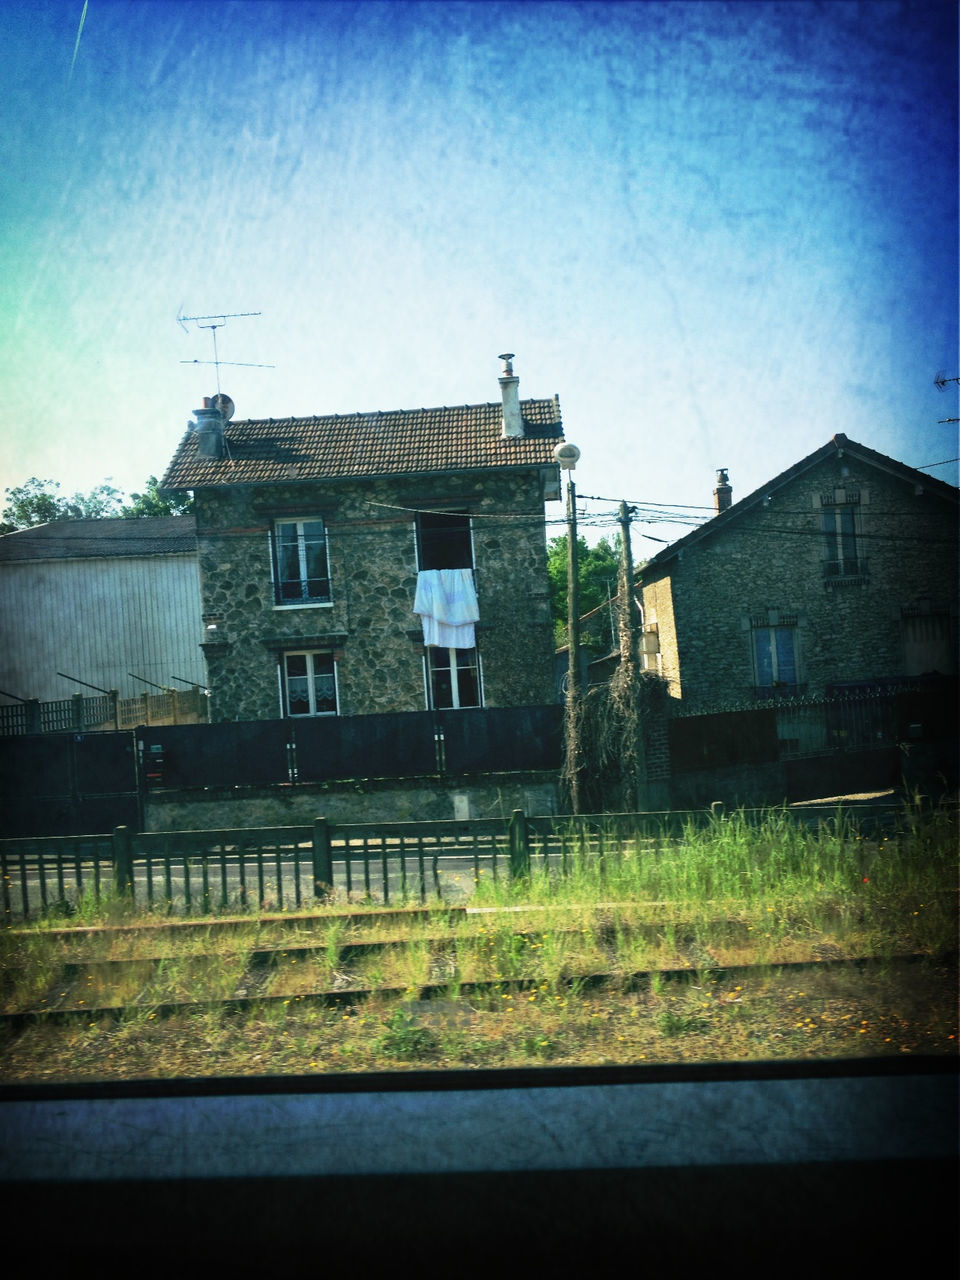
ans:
(940, 382)
(218, 322)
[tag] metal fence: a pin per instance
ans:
(105, 711)
(269, 869)
(793, 728)
(402, 744)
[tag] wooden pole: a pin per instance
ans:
(573, 635)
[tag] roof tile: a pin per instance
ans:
(396, 442)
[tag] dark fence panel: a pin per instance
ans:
(68, 783)
(374, 746)
(245, 753)
(502, 738)
(724, 739)
(105, 763)
(35, 765)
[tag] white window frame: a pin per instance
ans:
(284, 677)
(305, 602)
(454, 682)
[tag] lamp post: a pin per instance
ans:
(567, 455)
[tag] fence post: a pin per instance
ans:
(322, 862)
(78, 716)
(123, 860)
(33, 715)
(519, 845)
(115, 707)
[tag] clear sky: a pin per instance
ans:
(719, 232)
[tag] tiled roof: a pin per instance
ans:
(839, 444)
(398, 442)
(87, 539)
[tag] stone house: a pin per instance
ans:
(839, 575)
(315, 533)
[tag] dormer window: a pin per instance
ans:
(301, 573)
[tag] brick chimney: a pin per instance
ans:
(510, 391)
(723, 493)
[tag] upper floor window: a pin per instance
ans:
(454, 678)
(775, 655)
(309, 682)
(301, 573)
(840, 526)
(443, 540)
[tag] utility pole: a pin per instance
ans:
(634, 753)
(567, 455)
(625, 586)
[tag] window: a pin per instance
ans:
(443, 540)
(309, 682)
(929, 641)
(839, 522)
(300, 571)
(775, 656)
(454, 678)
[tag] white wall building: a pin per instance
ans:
(113, 603)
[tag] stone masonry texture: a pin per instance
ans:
(369, 625)
(771, 559)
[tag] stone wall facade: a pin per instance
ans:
(369, 625)
(375, 800)
(767, 567)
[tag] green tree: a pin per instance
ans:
(597, 569)
(150, 503)
(40, 501)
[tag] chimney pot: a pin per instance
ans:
(208, 424)
(510, 393)
(723, 493)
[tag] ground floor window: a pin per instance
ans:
(775, 658)
(453, 678)
(309, 684)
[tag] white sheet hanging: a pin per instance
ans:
(446, 601)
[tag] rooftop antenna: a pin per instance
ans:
(217, 322)
(941, 382)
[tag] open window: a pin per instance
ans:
(443, 540)
(301, 573)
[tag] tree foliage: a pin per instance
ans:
(597, 569)
(150, 502)
(40, 502)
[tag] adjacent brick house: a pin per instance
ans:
(840, 573)
(312, 533)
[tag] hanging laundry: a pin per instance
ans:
(446, 601)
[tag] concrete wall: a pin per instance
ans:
(424, 800)
(369, 624)
(769, 562)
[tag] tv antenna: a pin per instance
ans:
(941, 382)
(218, 321)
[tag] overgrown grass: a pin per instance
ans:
(731, 893)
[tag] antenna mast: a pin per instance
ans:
(217, 322)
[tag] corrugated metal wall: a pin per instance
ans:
(97, 620)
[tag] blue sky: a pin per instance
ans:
(719, 232)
